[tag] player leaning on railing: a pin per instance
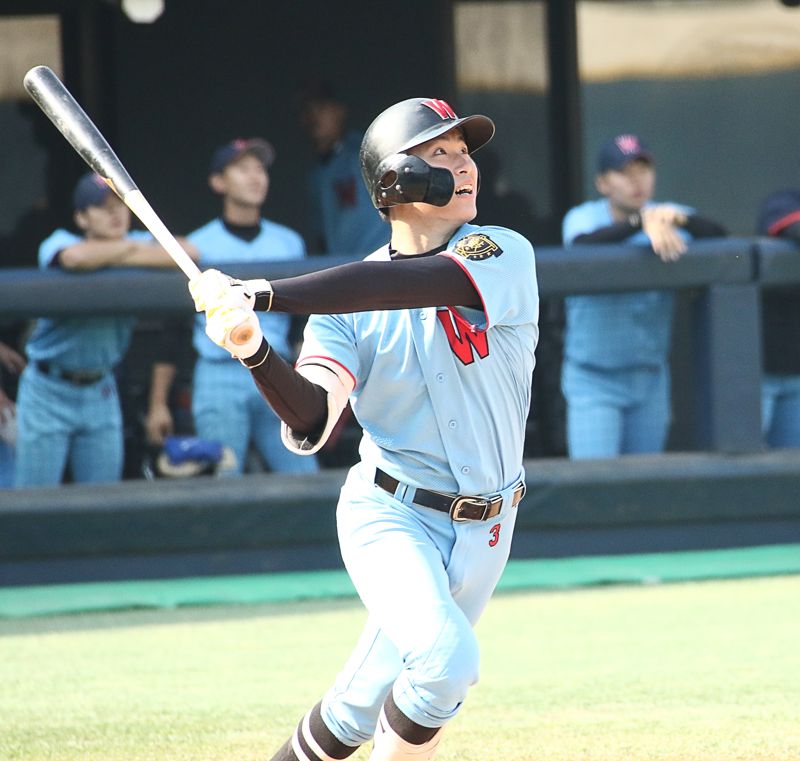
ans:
(432, 340)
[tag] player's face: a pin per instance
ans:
(324, 122)
(630, 188)
(245, 182)
(110, 220)
(449, 151)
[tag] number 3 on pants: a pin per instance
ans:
(494, 532)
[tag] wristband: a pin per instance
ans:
(259, 358)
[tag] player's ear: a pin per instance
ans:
(601, 184)
(217, 183)
(80, 220)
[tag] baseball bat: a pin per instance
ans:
(50, 94)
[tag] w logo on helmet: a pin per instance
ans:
(441, 107)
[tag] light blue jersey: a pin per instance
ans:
(615, 377)
(68, 411)
(616, 330)
(226, 404)
(219, 248)
(344, 216)
(459, 379)
(78, 343)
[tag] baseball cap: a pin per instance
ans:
(619, 151)
(91, 190)
(186, 456)
(230, 152)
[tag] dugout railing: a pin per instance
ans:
(730, 494)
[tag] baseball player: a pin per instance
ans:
(432, 340)
(342, 216)
(779, 216)
(615, 375)
(68, 411)
(13, 363)
(226, 406)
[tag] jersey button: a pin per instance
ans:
(423, 316)
(440, 377)
(465, 469)
(452, 425)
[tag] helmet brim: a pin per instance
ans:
(477, 130)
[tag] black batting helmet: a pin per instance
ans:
(392, 177)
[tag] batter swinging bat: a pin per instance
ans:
(50, 94)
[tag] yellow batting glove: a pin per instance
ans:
(209, 289)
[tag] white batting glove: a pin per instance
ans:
(209, 288)
(212, 287)
(256, 293)
(224, 322)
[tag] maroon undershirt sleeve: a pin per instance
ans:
(358, 287)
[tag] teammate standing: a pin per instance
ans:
(342, 217)
(432, 339)
(225, 405)
(68, 411)
(616, 376)
(779, 216)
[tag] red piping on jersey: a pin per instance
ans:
(461, 319)
(784, 222)
(307, 360)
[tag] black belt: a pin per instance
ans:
(76, 377)
(459, 508)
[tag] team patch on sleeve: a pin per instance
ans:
(477, 246)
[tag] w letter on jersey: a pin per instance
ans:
(464, 340)
(441, 107)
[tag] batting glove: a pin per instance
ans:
(256, 293)
(212, 287)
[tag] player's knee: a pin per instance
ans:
(444, 678)
(459, 670)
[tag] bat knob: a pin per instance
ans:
(241, 334)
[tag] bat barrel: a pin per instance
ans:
(71, 120)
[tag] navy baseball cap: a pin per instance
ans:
(617, 152)
(91, 190)
(234, 150)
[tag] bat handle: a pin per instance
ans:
(241, 334)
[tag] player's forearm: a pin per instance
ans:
(301, 404)
(152, 255)
(161, 380)
(94, 254)
(146, 256)
(367, 286)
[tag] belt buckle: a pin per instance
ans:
(462, 502)
(82, 377)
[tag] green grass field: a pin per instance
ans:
(678, 672)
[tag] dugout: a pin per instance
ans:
(167, 93)
(732, 496)
(552, 73)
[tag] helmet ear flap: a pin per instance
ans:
(403, 178)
